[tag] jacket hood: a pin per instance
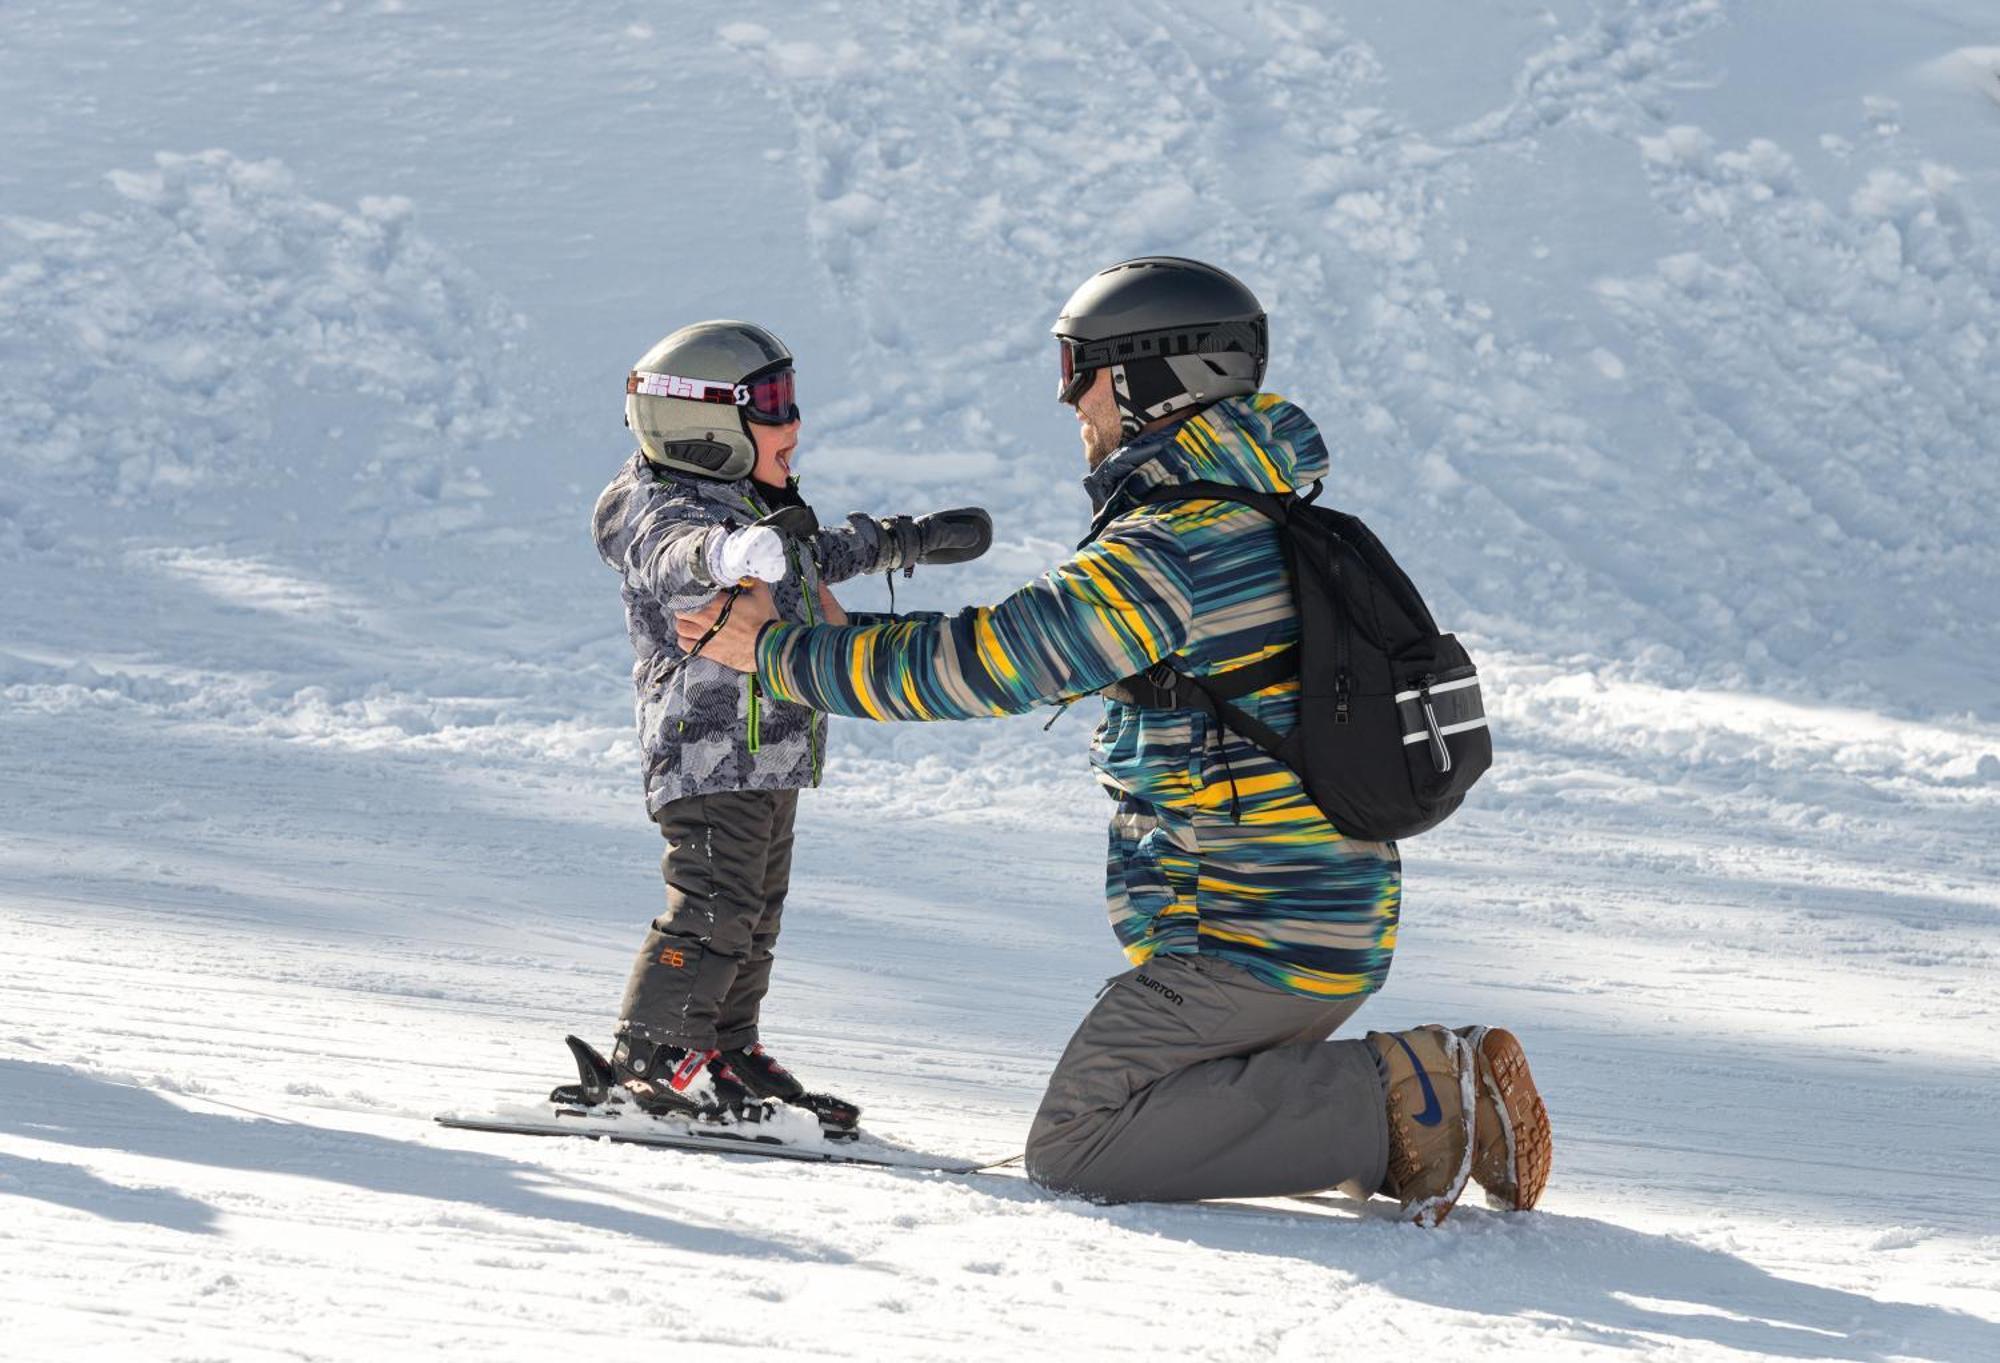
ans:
(1261, 442)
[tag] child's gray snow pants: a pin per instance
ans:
(1191, 1078)
(706, 964)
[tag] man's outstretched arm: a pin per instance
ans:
(1113, 609)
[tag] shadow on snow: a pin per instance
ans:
(55, 1104)
(1586, 1278)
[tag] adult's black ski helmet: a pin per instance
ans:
(1174, 333)
(691, 398)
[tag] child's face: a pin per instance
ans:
(774, 452)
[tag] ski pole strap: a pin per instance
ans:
(720, 621)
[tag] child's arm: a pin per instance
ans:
(669, 557)
(660, 545)
(868, 545)
(863, 546)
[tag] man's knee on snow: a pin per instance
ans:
(1059, 1157)
(1085, 1179)
(1059, 1172)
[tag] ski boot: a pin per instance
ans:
(1428, 1073)
(753, 1068)
(1513, 1146)
(661, 1079)
(674, 1081)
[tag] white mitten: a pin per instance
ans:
(753, 552)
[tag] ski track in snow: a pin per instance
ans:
(318, 806)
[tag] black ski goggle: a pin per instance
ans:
(772, 399)
(1075, 378)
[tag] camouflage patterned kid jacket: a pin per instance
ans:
(1215, 847)
(702, 727)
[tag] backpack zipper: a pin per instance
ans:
(1439, 750)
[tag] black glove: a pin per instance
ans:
(793, 522)
(956, 536)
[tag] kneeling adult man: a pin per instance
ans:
(1254, 926)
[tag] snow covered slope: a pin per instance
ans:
(1660, 337)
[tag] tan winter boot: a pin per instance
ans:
(1513, 1145)
(1429, 1074)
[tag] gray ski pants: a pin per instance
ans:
(701, 976)
(1191, 1078)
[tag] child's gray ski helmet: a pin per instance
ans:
(1175, 334)
(690, 399)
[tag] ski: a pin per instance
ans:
(867, 1152)
(599, 1107)
(629, 1128)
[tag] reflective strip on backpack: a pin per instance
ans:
(1439, 689)
(1439, 711)
(1447, 730)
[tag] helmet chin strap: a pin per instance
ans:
(1129, 420)
(1166, 395)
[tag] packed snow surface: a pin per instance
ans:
(1660, 338)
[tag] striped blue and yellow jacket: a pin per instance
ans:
(1262, 881)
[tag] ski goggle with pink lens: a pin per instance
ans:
(768, 398)
(1075, 378)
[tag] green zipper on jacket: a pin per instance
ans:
(756, 713)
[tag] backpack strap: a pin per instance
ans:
(1275, 506)
(1161, 687)
(1156, 688)
(1165, 687)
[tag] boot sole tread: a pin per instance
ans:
(1506, 1064)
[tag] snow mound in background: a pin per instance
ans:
(1831, 389)
(1709, 417)
(221, 332)
(1623, 386)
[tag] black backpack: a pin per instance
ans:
(1391, 731)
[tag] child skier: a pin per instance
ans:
(708, 505)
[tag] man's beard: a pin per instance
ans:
(1098, 443)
